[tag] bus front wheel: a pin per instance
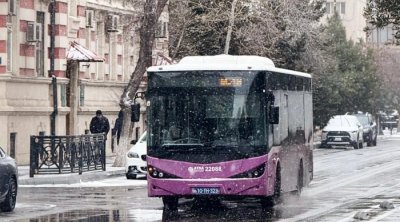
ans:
(276, 197)
(170, 203)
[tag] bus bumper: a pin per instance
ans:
(220, 187)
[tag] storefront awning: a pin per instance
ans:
(77, 52)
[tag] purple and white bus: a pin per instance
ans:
(228, 126)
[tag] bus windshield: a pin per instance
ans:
(207, 119)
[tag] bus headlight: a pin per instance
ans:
(256, 172)
(157, 173)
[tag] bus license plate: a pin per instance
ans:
(205, 190)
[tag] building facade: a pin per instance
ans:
(351, 12)
(107, 28)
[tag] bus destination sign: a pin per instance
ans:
(230, 82)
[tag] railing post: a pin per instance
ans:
(32, 166)
(103, 152)
(88, 150)
(73, 151)
(80, 156)
(60, 153)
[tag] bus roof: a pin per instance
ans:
(225, 62)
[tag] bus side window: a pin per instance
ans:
(292, 83)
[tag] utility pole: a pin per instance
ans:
(51, 74)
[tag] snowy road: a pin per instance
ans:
(351, 181)
(346, 182)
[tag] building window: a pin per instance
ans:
(9, 47)
(340, 7)
(82, 95)
(13, 139)
(63, 89)
(119, 59)
(12, 7)
(161, 31)
(73, 11)
(40, 43)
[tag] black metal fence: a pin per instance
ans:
(67, 154)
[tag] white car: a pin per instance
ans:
(135, 164)
(343, 130)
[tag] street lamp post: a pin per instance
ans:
(54, 79)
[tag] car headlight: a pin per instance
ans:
(133, 155)
(354, 134)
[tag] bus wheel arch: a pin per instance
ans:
(270, 201)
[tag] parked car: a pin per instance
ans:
(8, 182)
(342, 130)
(389, 119)
(136, 158)
(370, 129)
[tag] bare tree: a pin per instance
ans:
(255, 27)
(151, 13)
(230, 27)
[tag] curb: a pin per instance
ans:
(69, 178)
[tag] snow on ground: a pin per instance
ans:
(112, 182)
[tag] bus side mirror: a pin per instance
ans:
(274, 115)
(135, 112)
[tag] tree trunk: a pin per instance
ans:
(179, 41)
(230, 27)
(151, 13)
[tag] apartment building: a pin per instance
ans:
(351, 12)
(107, 28)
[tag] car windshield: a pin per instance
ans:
(143, 138)
(341, 121)
(364, 120)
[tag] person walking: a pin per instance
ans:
(116, 131)
(99, 124)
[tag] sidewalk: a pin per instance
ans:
(70, 178)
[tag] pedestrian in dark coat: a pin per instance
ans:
(116, 131)
(99, 124)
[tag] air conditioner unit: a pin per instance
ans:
(12, 7)
(161, 31)
(34, 32)
(113, 23)
(89, 18)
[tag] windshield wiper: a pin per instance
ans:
(229, 149)
(236, 151)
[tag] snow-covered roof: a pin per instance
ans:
(79, 53)
(224, 62)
